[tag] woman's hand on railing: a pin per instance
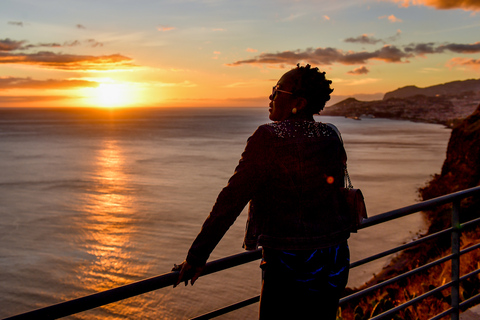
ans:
(187, 271)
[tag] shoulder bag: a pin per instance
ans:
(355, 203)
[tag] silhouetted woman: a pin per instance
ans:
(291, 172)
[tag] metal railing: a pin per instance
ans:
(105, 297)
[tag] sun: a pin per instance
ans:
(112, 94)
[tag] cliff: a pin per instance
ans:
(445, 104)
(461, 170)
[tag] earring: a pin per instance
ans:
(294, 110)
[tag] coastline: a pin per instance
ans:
(460, 171)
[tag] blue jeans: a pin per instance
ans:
(303, 284)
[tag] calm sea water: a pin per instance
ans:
(94, 199)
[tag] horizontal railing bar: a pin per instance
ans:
(255, 299)
(467, 250)
(98, 299)
(228, 309)
(443, 314)
(395, 279)
(469, 223)
(412, 301)
(384, 217)
(400, 248)
(130, 290)
(470, 301)
(410, 244)
(120, 293)
(468, 275)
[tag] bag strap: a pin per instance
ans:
(348, 182)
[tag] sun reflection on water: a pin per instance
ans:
(108, 226)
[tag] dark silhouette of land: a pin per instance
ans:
(461, 170)
(445, 104)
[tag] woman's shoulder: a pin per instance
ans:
(296, 129)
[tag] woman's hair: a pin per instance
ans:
(312, 85)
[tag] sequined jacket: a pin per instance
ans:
(291, 173)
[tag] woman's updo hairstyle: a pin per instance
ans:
(312, 85)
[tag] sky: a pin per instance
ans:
(164, 53)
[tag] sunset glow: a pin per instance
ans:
(203, 53)
(111, 95)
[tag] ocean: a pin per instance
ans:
(91, 199)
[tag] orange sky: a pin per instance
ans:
(227, 53)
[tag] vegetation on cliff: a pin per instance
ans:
(461, 170)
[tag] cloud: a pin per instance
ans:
(358, 71)
(28, 83)
(472, 63)
(391, 18)
(52, 60)
(327, 56)
(396, 36)
(431, 48)
(10, 45)
(326, 17)
(467, 5)
(93, 43)
(251, 50)
(61, 61)
(15, 23)
(165, 28)
(19, 100)
(461, 48)
(364, 39)
(184, 84)
(80, 26)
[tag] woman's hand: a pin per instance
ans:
(187, 271)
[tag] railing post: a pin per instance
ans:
(455, 292)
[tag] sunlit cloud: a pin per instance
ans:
(464, 62)
(391, 18)
(359, 71)
(358, 82)
(47, 59)
(7, 83)
(165, 28)
(184, 84)
(430, 70)
(467, 5)
(251, 50)
(24, 99)
(326, 17)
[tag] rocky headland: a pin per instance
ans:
(445, 104)
(461, 170)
